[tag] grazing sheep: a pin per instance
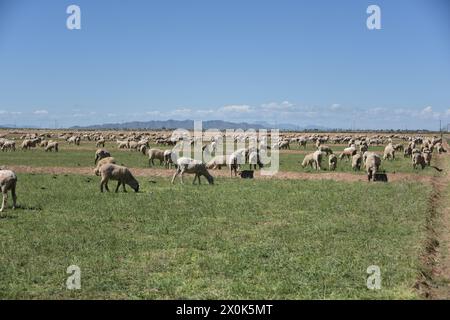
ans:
(372, 163)
(121, 174)
(308, 160)
(122, 144)
(427, 156)
(155, 154)
(9, 145)
(332, 162)
(100, 143)
(418, 159)
(356, 162)
(8, 181)
(284, 145)
(100, 154)
(52, 146)
(30, 143)
(313, 159)
(102, 162)
(188, 165)
(389, 152)
(348, 152)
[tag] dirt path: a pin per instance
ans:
(158, 172)
(434, 282)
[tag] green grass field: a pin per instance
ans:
(238, 239)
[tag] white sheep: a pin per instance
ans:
(389, 152)
(8, 181)
(121, 174)
(372, 163)
(348, 152)
(52, 146)
(356, 162)
(188, 165)
(155, 154)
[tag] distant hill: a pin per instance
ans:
(173, 124)
(189, 125)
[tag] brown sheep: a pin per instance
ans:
(121, 174)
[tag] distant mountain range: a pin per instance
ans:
(189, 124)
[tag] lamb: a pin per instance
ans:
(308, 160)
(52, 146)
(389, 152)
(102, 162)
(372, 163)
(100, 154)
(356, 162)
(188, 165)
(332, 162)
(155, 154)
(313, 159)
(121, 174)
(8, 181)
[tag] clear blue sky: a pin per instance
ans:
(300, 62)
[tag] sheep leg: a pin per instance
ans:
(118, 185)
(175, 175)
(5, 198)
(14, 196)
(181, 176)
(123, 187)
(104, 183)
(195, 178)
